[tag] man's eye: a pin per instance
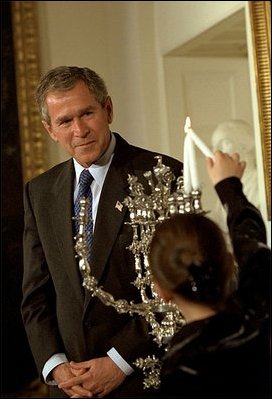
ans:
(65, 121)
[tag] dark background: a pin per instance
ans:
(17, 365)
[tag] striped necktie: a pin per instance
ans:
(85, 181)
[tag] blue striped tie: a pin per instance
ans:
(85, 181)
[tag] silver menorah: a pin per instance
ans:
(146, 210)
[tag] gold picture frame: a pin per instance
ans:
(260, 20)
(27, 69)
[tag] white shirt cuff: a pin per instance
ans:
(119, 361)
(53, 362)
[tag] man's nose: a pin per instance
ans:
(80, 127)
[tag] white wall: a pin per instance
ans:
(133, 77)
(180, 21)
(124, 41)
(72, 33)
(116, 39)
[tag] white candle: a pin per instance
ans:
(192, 164)
(198, 142)
(186, 167)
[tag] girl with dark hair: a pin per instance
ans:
(223, 349)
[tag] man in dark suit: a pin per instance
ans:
(82, 347)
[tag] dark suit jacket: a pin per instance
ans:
(58, 315)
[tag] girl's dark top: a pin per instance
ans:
(228, 355)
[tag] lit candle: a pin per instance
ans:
(192, 163)
(186, 168)
(198, 142)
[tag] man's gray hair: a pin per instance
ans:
(64, 78)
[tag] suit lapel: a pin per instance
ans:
(111, 211)
(62, 206)
(110, 216)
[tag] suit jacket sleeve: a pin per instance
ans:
(38, 305)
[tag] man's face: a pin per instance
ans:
(79, 123)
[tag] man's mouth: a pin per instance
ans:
(84, 144)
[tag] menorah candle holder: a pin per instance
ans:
(146, 210)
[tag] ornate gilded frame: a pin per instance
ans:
(27, 68)
(260, 20)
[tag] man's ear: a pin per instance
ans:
(49, 131)
(109, 109)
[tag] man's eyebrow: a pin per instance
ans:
(82, 111)
(62, 119)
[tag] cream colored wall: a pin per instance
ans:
(117, 40)
(180, 21)
(133, 79)
(72, 33)
(124, 41)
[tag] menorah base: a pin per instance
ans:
(151, 367)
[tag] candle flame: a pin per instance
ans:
(187, 125)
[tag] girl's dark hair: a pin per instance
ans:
(188, 255)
